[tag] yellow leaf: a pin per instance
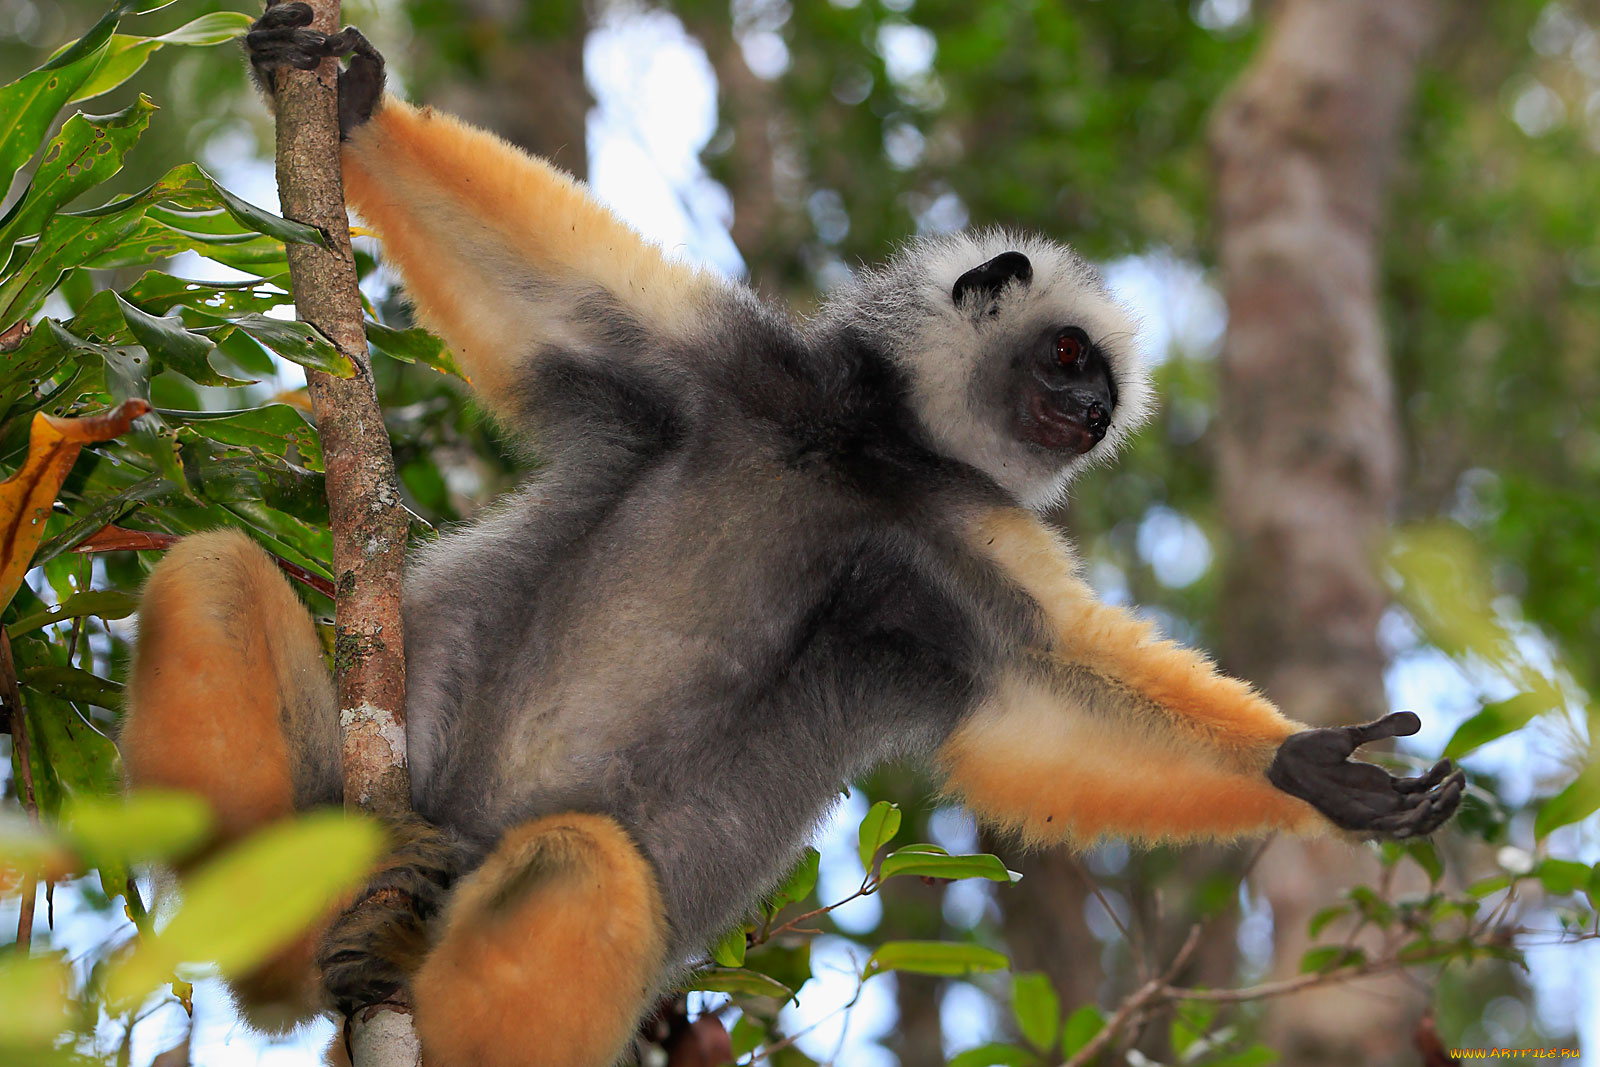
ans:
(28, 495)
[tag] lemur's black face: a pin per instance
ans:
(1065, 393)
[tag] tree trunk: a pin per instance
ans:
(1308, 444)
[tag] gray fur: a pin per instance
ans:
(740, 580)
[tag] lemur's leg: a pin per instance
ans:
(228, 698)
(1111, 730)
(550, 951)
(506, 257)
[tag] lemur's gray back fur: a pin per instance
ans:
(730, 591)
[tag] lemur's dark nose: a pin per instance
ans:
(987, 279)
(1097, 420)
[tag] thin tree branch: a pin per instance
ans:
(369, 524)
(18, 720)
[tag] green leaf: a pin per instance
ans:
(1037, 1009)
(947, 959)
(1424, 855)
(729, 949)
(878, 828)
(144, 827)
(1191, 1021)
(1329, 957)
(88, 150)
(415, 345)
(746, 1036)
(28, 106)
(738, 980)
(241, 907)
(128, 54)
(933, 865)
(1573, 804)
(800, 882)
(277, 429)
(102, 603)
(994, 1054)
(1321, 919)
(1562, 876)
(165, 338)
(1080, 1028)
(1254, 1056)
(1495, 721)
(298, 342)
(68, 241)
(34, 992)
(158, 293)
(72, 683)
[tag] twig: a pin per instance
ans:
(1152, 991)
(18, 718)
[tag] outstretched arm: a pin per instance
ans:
(507, 258)
(1112, 731)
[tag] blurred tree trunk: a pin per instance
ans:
(1308, 443)
(530, 87)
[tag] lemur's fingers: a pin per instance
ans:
(1422, 783)
(280, 38)
(1399, 724)
(1427, 813)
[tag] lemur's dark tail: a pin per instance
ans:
(229, 698)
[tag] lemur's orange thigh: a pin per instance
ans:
(550, 951)
(204, 696)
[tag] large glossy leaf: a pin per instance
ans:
(275, 428)
(158, 293)
(102, 237)
(918, 863)
(1573, 804)
(72, 684)
(127, 54)
(253, 899)
(948, 959)
(738, 980)
(415, 345)
(28, 106)
(1498, 719)
(995, 1054)
(102, 603)
(144, 827)
(299, 342)
(166, 339)
(88, 150)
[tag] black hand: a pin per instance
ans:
(280, 38)
(1315, 766)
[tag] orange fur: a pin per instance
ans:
(476, 225)
(1113, 642)
(1111, 729)
(550, 951)
(226, 663)
(1051, 772)
(203, 695)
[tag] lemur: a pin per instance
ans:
(760, 558)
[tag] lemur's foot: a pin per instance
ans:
(1315, 766)
(378, 942)
(281, 38)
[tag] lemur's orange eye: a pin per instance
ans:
(1069, 349)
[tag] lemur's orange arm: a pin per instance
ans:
(1111, 730)
(503, 252)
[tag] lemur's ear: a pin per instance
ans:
(987, 280)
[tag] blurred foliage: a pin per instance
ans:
(881, 119)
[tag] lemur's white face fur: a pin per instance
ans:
(996, 357)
